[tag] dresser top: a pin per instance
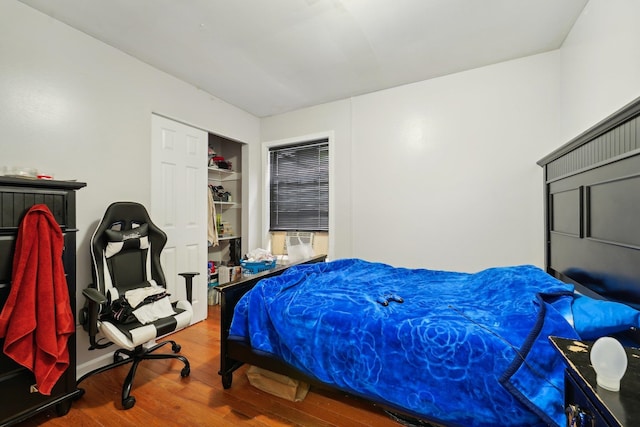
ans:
(43, 183)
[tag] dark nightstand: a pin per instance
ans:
(587, 404)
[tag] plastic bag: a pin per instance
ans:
(297, 250)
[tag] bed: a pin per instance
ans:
(453, 348)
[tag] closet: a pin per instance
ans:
(225, 181)
(18, 393)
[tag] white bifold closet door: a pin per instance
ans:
(178, 205)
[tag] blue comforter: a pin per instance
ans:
(461, 349)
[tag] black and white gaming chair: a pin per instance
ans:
(127, 302)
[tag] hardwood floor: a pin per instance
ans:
(165, 399)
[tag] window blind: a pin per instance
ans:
(299, 187)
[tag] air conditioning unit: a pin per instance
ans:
(304, 237)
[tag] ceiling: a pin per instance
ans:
(272, 56)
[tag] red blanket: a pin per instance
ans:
(36, 320)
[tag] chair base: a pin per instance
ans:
(134, 357)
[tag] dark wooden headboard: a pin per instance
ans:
(592, 205)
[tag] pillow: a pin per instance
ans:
(597, 318)
(136, 238)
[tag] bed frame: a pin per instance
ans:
(592, 229)
(234, 354)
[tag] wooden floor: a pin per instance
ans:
(165, 399)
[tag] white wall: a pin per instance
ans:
(333, 117)
(600, 64)
(79, 109)
(442, 173)
(445, 175)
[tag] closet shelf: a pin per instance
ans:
(216, 174)
(228, 210)
(228, 204)
(227, 237)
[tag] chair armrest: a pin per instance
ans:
(94, 295)
(188, 277)
(90, 316)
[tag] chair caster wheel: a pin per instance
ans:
(128, 402)
(176, 348)
(185, 372)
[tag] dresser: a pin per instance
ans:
(586, 403)
(19, 397)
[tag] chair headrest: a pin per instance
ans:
(119, 240)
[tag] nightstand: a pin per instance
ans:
(587, 404)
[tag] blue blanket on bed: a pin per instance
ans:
(461, 349)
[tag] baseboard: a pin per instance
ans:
(92, 364)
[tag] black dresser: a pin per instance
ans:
(19, 399)
(586, 403)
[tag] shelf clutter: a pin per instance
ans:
(225, 229)
(225, 185)
(252, 263)
(218, 161)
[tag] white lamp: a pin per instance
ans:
(609, 361)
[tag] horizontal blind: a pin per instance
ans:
(299, 187)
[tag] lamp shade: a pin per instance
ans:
(609, 361)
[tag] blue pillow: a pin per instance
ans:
(597, 318)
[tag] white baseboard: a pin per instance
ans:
(92, 364)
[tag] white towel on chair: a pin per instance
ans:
(135, 296)
(154, 311)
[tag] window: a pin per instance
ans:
(299, 187)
